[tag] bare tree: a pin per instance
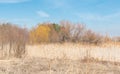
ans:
(72, 32)
(92, 37)
(13, 38)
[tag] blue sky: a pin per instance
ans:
(100, 15)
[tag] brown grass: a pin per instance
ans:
(56, 66)
(108, 52)
(67, 58)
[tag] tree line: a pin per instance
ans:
(14, 38)
(65, 31)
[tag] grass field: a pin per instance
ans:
(67, 58)
(108, 52)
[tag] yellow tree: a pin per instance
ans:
(40, 34)
(32, 36)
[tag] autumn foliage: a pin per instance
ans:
(65, 31)
(40, 34)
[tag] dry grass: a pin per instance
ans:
(56, 66)
(108, 52)
(65, 58)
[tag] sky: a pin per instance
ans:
(102, 16)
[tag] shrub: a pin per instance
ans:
(92, 37)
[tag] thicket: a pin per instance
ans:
(65, 31)
(12, 39)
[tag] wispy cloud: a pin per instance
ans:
(13, 1)
(43, 14)
(98, 17)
